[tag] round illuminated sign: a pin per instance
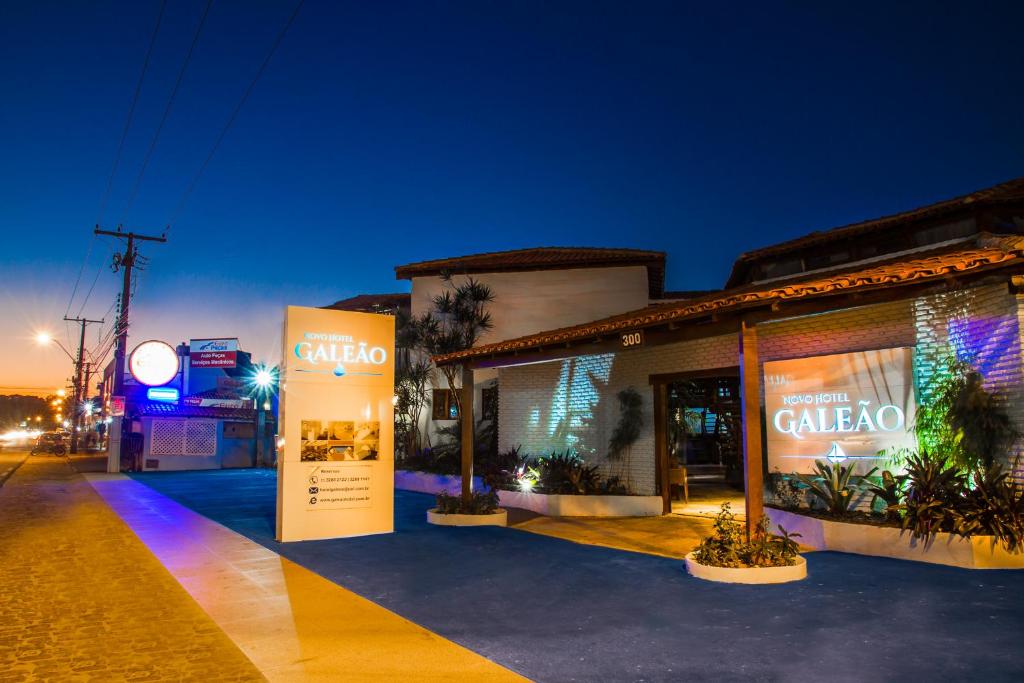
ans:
(153, 363)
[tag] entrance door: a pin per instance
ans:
(700, 441)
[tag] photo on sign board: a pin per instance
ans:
(343, 431)
(367, 440)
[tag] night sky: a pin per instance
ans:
(385, 133)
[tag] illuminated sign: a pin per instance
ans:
(339, 354)
(845, 408)
(336, 455)
(153, 363)
(213, 353)
(163, 394)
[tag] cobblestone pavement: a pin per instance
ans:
(82, 599)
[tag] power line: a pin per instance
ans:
(234, 114)
(99, 271)
(167, 111)
(131, 113)
(120, 149)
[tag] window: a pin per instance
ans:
(444, 405)
(489, 402)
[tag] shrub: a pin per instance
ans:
(994, 506)
(834, 487)
(728, 547)
(933, 493)
(481, 503)
(567, 473)
(890, 491)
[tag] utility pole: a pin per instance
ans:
(79, 365)
(125, 262)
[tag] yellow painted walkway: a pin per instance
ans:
(293, 624)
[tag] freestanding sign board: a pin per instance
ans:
(335, 473)
(845, 408)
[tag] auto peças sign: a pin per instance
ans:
(213, 353)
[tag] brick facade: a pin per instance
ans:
(572, 403)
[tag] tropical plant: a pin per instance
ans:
(412, 380)
(993, 506)
(567, 473)
(785, 490)
(962, 419)
(627, 431)
(727, 546)
(833, 487)
(479, 503)
(889, 491)
(457, 320)
(933, 492)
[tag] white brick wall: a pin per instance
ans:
(549, 406)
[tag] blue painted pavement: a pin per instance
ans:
(554, 610)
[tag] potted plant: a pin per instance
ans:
(481, 510)
(728, 556)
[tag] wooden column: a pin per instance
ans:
(467, 433)
(750, 399)
(661, 445)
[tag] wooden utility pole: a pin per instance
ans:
(125, 262)
(79, 387)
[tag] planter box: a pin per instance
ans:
(754, 575)
(499, 518)
(425, 482)
(541, 503)
(978, 552)
(554, 505)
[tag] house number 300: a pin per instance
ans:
(631, 339)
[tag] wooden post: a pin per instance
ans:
(661, 445)
(750, 399)
(467, 433)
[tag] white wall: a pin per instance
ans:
(536, 301)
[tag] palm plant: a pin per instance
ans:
(833, 486)
(458, 319)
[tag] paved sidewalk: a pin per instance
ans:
(82, 599)
(293, 624)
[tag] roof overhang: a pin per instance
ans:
(722, 313)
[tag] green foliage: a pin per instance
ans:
(994, 506)
(834, 487)
(567, 473)
(631, 422)
(412, 380)
(934, 490)
(785, 491)
(480, 503)
(727, 545)
(962, 419)
(889, 492)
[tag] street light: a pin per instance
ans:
(44, 339)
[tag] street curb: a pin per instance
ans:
(4, 476)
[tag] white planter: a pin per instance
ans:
(978, 552)
(557, 505)
(753, 575)
(498, 518)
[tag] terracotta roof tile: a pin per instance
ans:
(369, 302)
(1010, 191)
(543, 258)
(990, 252)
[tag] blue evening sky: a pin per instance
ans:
(389, 132)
